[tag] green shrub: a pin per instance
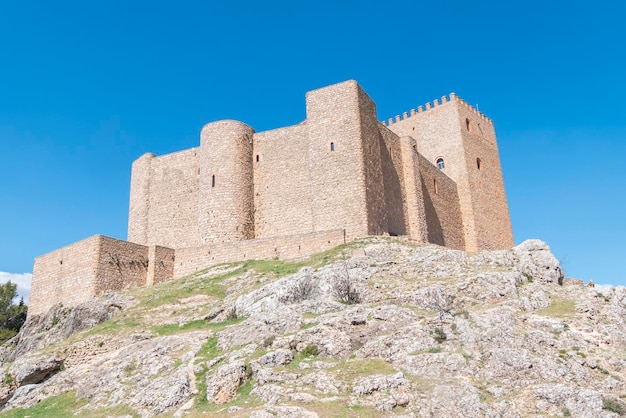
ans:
(310, 350)
(439, 335)
(612, 405)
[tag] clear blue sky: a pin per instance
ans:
(87, 87)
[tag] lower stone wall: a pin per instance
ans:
(160, 264)
(64, 276)
(190, 260)
(120, 265)
(74, 274)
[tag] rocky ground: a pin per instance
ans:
(375, 328)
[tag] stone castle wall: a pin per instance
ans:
(282, 207)
(191, 260)
(64, 276)
(91, 267)
(441, 205)
(164, 200)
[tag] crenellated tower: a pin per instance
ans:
(461, 142)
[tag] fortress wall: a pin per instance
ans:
(441, 206)
(226, 205)
(173, 205)
(414, 211)
(375, 160)
(119, 265)
(64, 276)
(485, 183)
(160, 264)
(282, 191)
(191, 260)
(393, 182)
(338, 190)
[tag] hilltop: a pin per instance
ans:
(376, 327)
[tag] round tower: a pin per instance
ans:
(138, 213)
(226, 206)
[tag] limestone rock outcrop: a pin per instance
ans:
(430, 332)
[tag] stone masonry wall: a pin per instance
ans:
(438, 135)
(336, 164)
(484, 180)
(160, 264)
(414, 208)
(96, 265)
(441, 204)
(164, 200)
(374, 162)
(64, 276)
(190, 260)
(120, 265)
(393, 183)
(282, 190)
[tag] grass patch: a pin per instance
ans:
(559, 308)
(339, 408)
(64, 405)
(354, 369)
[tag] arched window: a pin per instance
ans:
(213, 181)
(478, 163)
(332, 146)
(440, 164)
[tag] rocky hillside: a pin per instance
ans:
(375, 328)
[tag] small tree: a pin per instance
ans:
(12, 316)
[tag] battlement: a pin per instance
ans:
(435, 103)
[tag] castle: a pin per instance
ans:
(432, 175)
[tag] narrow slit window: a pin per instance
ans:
(441, 164)
(213, 180)
(332, 146)
(467, 124)
(478, 163)
(435, 186)
(257, 158)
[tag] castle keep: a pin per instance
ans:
(432, 175)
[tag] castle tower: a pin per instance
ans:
(344, 161)
(226, 200)
(138, 214)
(461, 141)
